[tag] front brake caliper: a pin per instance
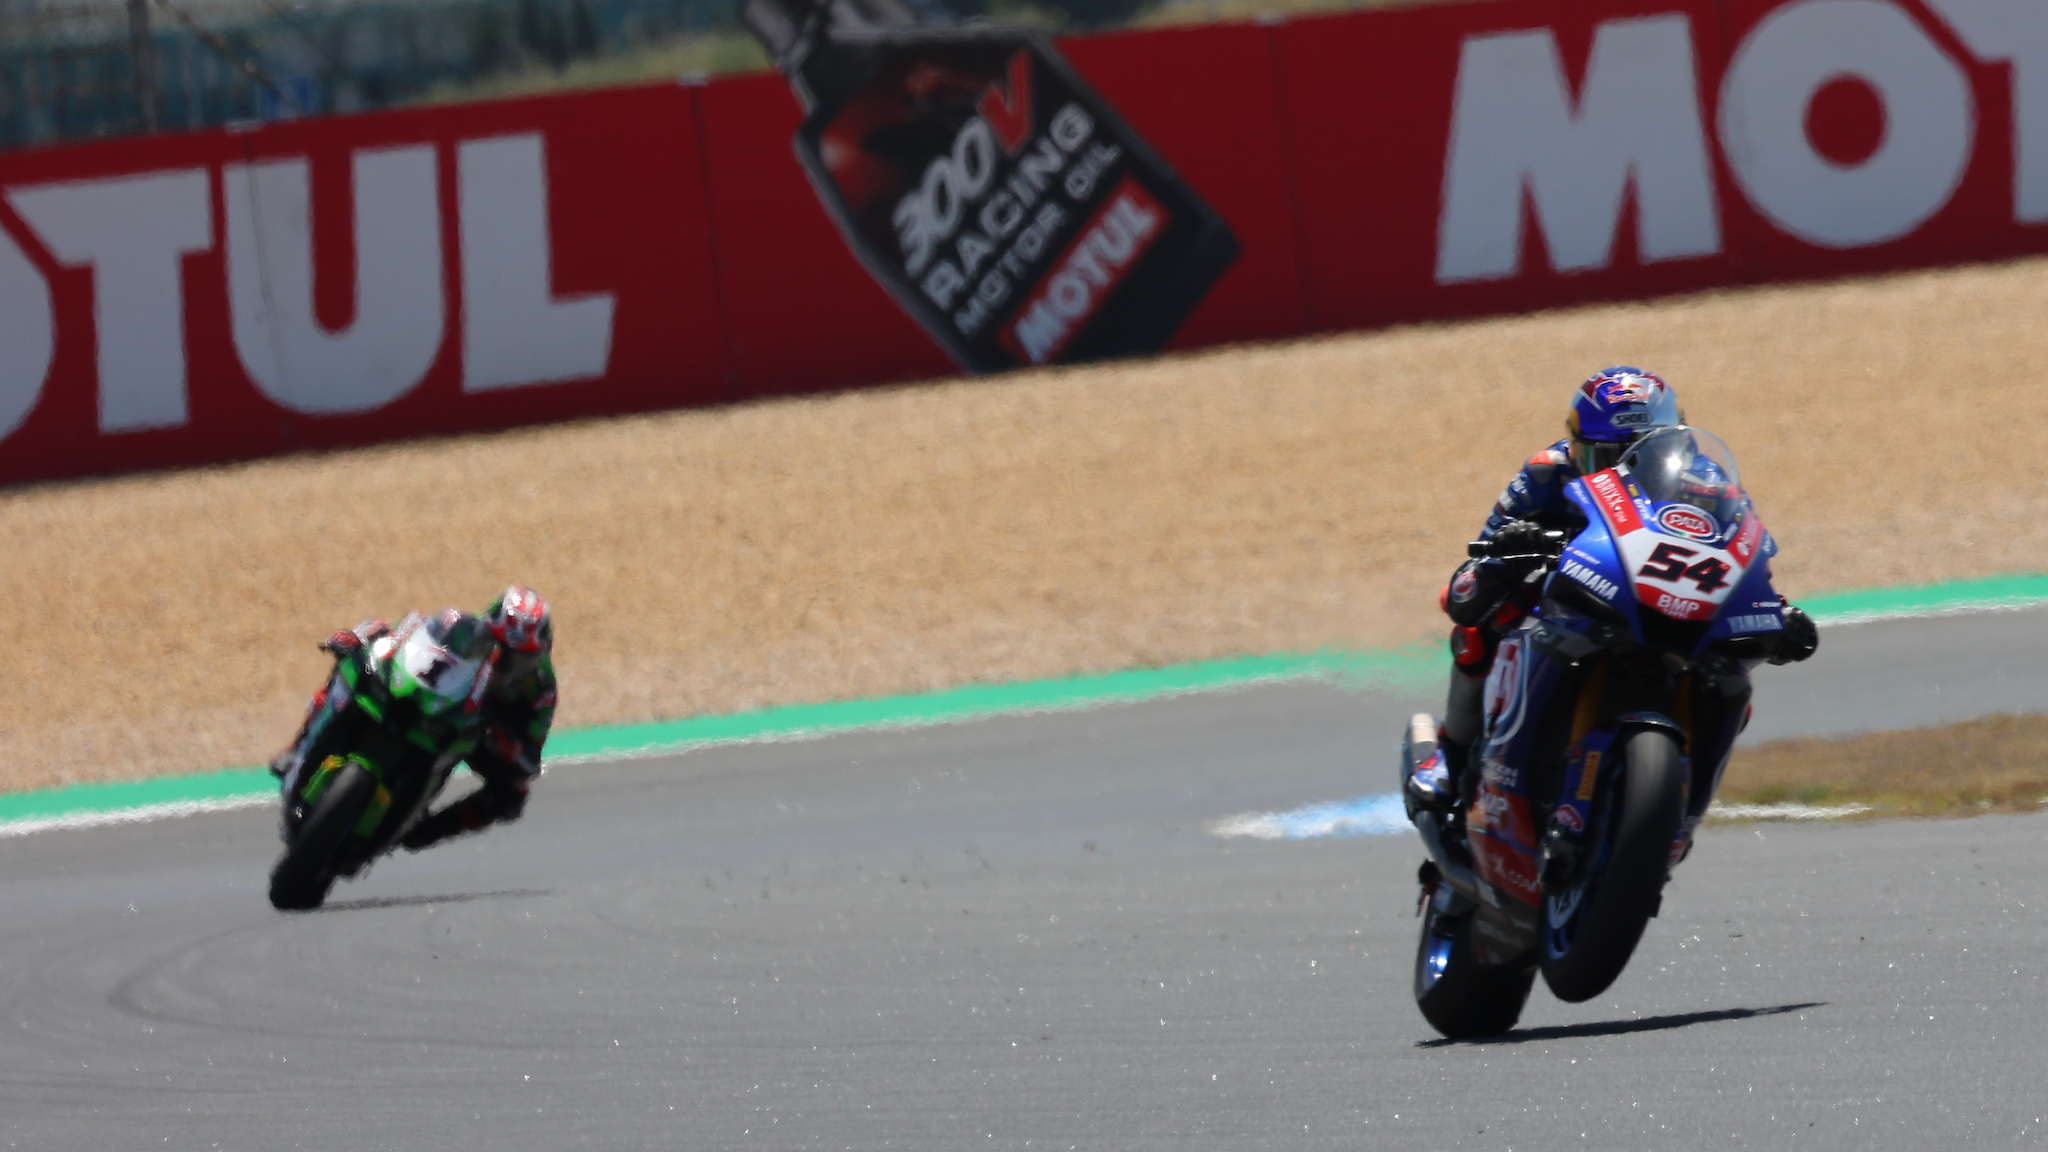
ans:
(1564, 851)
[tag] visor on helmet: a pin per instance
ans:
(1592, 456)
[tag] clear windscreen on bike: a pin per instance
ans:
(445, 656)
(1683, 465)
(464, 636)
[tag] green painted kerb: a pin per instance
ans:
(1929, 599)
(1414, 666)
(1398, 668)
(207, 787)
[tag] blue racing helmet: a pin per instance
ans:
(1611, 410)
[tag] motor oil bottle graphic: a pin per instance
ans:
(1002, 201)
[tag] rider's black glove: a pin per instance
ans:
(1799, 639)
(1521, 538)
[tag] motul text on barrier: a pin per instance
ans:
(969, 198)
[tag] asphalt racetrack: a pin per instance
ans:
(1022, 933)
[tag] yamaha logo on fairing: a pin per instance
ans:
(1600, 584)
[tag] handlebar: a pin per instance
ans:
(1553, 545)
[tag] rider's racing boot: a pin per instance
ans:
(1433, 784)
(442, 825)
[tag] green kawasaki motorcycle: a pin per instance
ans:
(400, 713)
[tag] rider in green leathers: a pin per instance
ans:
(518, 710)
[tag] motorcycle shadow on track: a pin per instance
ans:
(1622, 1027)
(427, 901)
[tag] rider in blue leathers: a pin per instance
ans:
(1487, 597)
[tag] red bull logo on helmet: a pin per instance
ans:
(1627, 389)
(1621, 403)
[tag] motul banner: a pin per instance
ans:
(201, 298)
(192, 299)
(1552, 152)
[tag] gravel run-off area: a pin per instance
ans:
(1242, 500)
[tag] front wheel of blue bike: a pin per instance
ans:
(1591, 927)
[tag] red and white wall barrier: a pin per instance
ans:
(224, 295)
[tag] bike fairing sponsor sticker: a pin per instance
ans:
(1498, 816)
(1615, 502)
(1506, 693)
(1603, 587)
(1504, 847)
(1746, 541)
(1589, 766)
(1573, 551)
(1569, 819)
(1686, 520)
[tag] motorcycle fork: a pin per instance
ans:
(1649, 686)
(1592, 693)
(1563, 848)
(1682, 711)
(323, 775)
(380, 803)
(1586, 712)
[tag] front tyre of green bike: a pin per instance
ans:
(1458, 995)
(1591, 928)
(303, 874)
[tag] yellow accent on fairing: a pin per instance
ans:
(1589, 775)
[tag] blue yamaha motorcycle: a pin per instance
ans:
(1609, 714)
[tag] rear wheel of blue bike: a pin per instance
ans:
(1591, 927)
(1458, 995)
